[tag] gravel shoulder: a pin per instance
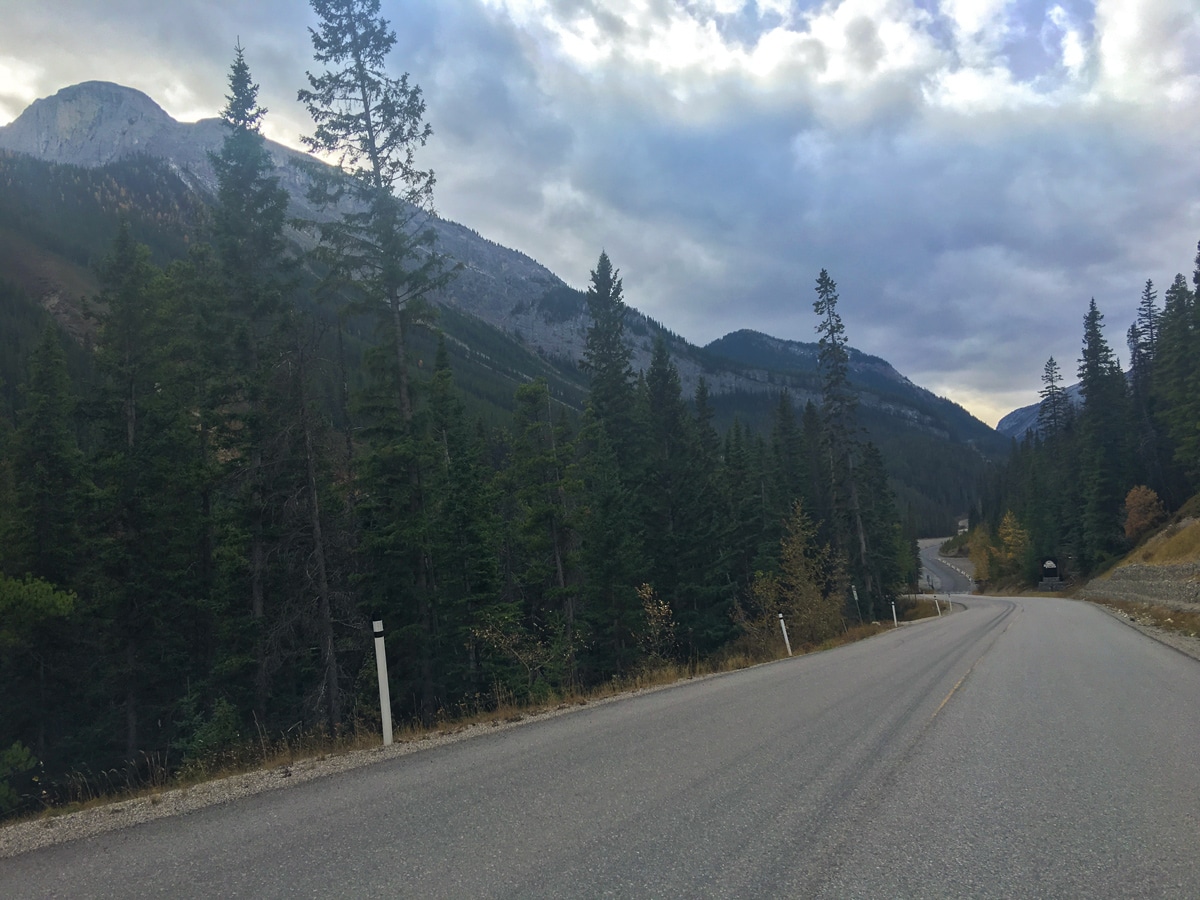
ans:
(49, 829)
(1185, 644)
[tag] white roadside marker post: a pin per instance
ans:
(937, 605)
(385, 694)
(786, 642)
(894, 619)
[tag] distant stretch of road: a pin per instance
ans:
(947, 575)
(1017, 748)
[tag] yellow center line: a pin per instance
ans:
(967, 674)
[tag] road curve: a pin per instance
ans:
(1018, 748)
(946, 575)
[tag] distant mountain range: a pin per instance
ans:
(1025, 419)
(512, 299)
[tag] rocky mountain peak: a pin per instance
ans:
(88, 124)
(96, 123)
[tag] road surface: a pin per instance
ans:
(1017, 748)
(947, 575)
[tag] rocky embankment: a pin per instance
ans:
(1177, 586)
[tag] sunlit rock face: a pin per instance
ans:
(89, 124)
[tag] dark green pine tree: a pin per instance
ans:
(39, 647)
(787, 475)
(142, 524)
(1143, 334)
(1151, 455)
(606, 359)
(704, 604)
(198, 352)
(540, 540)
(379, 255)
(610, 557)
(838, 406)
(1180, 338)
(891, 562)
(462, 540)
(668, 499)
(380, 250)
(1177, 350)
(250, 398)
(251, 210)
(1103, 473)
(743, 492)
(44, 538)
(1054, 410)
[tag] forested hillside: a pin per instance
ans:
(242, 454)
(64, 219)
(1096, 477)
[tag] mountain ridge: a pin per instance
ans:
(95, 123)
(1025, 419)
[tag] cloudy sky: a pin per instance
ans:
(970, 172)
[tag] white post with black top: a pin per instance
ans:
(385, 696)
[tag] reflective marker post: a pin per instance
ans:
(385, 695)
(786, 642)
(894, 619)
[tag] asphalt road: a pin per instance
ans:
(1017, 748)
(951, 576)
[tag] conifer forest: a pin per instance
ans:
(253, 441)
(212, 488)
(1099, 474)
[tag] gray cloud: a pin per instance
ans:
(968, 214)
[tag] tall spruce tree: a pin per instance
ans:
(1180, 367)
(704, 597)
(141, 523)
(610, 555)
(667, 500)
(45, 539)
(251, 205)
(463, 536)
(538, 556)
(248, 235)
(787, 473)
(606, 359)
(1174, 367)
(43, 543)
(838, 405)
(1152, 457)
(1054, 409)
(379, 253)
(1103, 431)
(381, 248)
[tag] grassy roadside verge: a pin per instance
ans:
(1167, 618)
(94, 791)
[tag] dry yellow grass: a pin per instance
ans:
(89, 790)
(1163, 617)
(1175, 544)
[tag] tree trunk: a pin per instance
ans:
(131, 722)
(324, 612)
(405, 401)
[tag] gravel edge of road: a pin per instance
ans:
(1188, 646)
(48, 830)
(44, 831)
